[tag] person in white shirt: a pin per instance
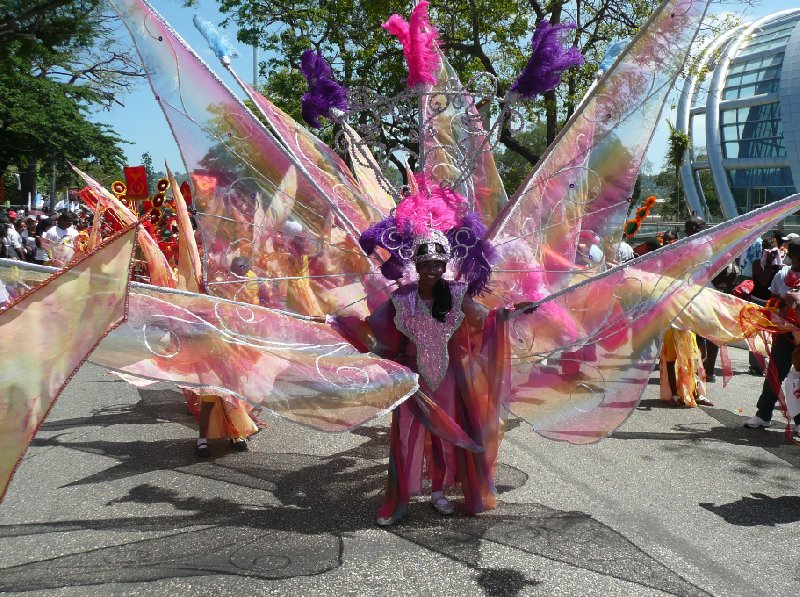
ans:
(782, 345)
(15, 240)
(60, 239)
(63, 228)
(29, 238)
(625, 252)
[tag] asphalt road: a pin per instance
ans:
(111, 500)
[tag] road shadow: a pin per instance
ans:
(758, 510)
(155, 407)
(732, 431)
(311, 506)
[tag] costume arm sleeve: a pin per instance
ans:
(474, 312)
(389, 341)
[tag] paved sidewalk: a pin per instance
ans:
(111, 500)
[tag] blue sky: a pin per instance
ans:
(154, 135)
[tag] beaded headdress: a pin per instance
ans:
(432, 246)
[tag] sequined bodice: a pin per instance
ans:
(429, 335)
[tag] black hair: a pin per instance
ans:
(697, 222)
(670, 235)
(43, 226)
(239, 263)
(442, 301)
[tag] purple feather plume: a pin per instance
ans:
(549, 59)
(323, 92)
(472, 252)
(385, 234)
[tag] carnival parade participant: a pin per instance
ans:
(782, 344)
(683, 374)
(435, 328)
(60, 238)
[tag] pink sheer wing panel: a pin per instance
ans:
(585, 180)
(60, 317)
(255, 201)
(293, 367)
(367, 170)
(581, 391)
(323, 164)
(457, 142)
(158, 268)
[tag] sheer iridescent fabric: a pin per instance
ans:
(266, 200)
(278, 363)
(286, 210)
(63, 315)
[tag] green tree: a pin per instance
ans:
(710, 193)
(477, 35)
(677, 146)
(512, 166)
(152, 175)
(59, 62)
(667, 188)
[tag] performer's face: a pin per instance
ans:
(430, 272)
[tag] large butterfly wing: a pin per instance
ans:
(61, 315)
(238, 169)
(580, 391)
(584, 182)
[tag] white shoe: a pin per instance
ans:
(387, 521)
(756, 422)
(442, 506)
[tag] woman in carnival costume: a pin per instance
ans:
(453, 426)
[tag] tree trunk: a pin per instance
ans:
(27, 179)
(552, 115)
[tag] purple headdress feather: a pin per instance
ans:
(549, 59)
(473, 254)
(379, 235)
(324, 93)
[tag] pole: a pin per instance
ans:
(255, 66)
(53, 187)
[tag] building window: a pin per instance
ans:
(757, 198)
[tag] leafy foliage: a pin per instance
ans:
(59, 62)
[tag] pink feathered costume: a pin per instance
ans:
(455, 438)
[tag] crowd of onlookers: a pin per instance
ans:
(32, 237)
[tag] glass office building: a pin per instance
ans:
(742, 113)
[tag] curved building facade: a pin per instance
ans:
(743, 118)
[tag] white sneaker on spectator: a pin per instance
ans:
(756, 422)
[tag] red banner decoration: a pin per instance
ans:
(136, 180)
(186, 192)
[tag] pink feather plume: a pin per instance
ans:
(431, 207)
(420, 44)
